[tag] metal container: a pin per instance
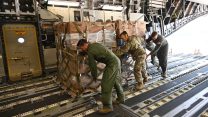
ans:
(22, 52)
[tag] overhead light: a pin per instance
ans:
(64, 3)
(20, 40)
(110, 7)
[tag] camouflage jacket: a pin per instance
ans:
(134, 46)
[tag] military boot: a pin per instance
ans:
(117, 102)
(140, 86)
(164, 75)
(145, 80)
(105, 110)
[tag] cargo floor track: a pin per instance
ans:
(183, 93)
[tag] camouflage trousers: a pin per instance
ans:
(140, 72)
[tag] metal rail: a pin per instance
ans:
(169, 97)
(27, 92)
(24, 84)
(177, 92)
(38, 105)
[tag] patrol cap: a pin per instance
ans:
(124, 33)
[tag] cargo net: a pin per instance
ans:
(73, 71)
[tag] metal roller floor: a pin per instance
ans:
(150, 99)
(161, 111)
(119, 111)
(185, 90)
(164, 87)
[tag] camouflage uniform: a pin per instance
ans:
(135, 48)
(111, 76)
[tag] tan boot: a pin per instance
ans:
(105, 110)
(164, 75)
(117, 102)
(140, 86)
(145, 80)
